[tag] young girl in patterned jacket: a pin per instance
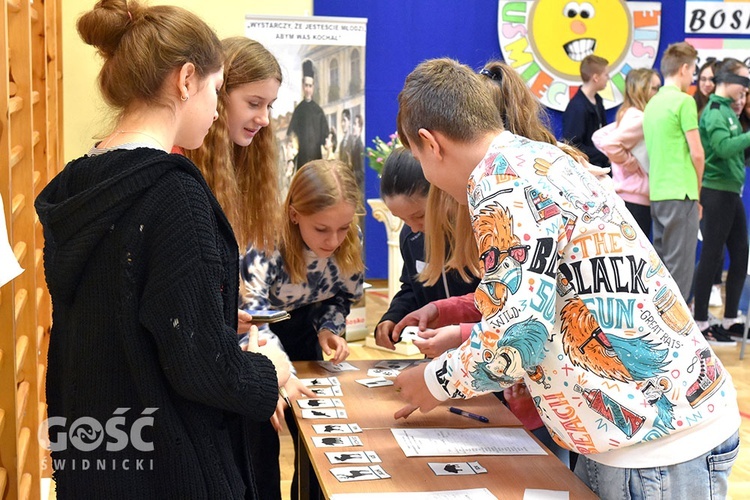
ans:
(316, 272)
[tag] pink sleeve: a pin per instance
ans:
(457, 309)
(466, 329)
(617, 140)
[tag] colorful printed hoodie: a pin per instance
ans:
(576, 301)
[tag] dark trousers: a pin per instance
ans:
(724, 223)
(642, 215)
(265, 449)
(300, 341)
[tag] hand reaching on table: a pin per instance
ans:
(412, 388)
(424, 317)
(295, 389)
(333, 345)
(433, 343)
(383, 334)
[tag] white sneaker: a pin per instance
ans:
(715, 299)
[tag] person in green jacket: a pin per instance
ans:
(724, 143)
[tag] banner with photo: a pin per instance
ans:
(320, 110)
(321, 105)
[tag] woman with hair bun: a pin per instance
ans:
(142, 267)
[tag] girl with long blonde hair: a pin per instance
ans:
(316, 273)
(622, 141)
(238, 157)
(238, 161)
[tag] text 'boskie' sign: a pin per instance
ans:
(717, 17)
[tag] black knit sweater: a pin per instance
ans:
(142, 267)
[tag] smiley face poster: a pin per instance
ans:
(546, 40)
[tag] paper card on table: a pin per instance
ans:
(394, 364)
(340, 367)
(353, 457)
(345, 474)
(324, 413)
(336, 428)
(327, 391)
(530, 494)
(451, 469)
(320, 403)
(458, 442)
(382, 372)
(320, 381)
(409, 334)
(474, 494)
(477, 468)
(333, 441)
(375, 382)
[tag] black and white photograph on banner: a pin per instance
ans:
(319, 113)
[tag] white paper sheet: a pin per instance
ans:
(472, 494)
(9, 267)
(459, 442)
(530, 494)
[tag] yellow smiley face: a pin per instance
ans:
(563, 32)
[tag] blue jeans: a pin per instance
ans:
(704, 477)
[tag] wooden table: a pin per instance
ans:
(373, 408)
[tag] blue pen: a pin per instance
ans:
(459, 411)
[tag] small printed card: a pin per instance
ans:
(394, 364)
(336, 368)
(331, 441)
(345, 474)
(382, 372)
(409, 333)
(456, 468)
(375, 382)
(320, 403)
(353, 457)
(328, 391)
(321, 381)
(324, 413)
(336, 428)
